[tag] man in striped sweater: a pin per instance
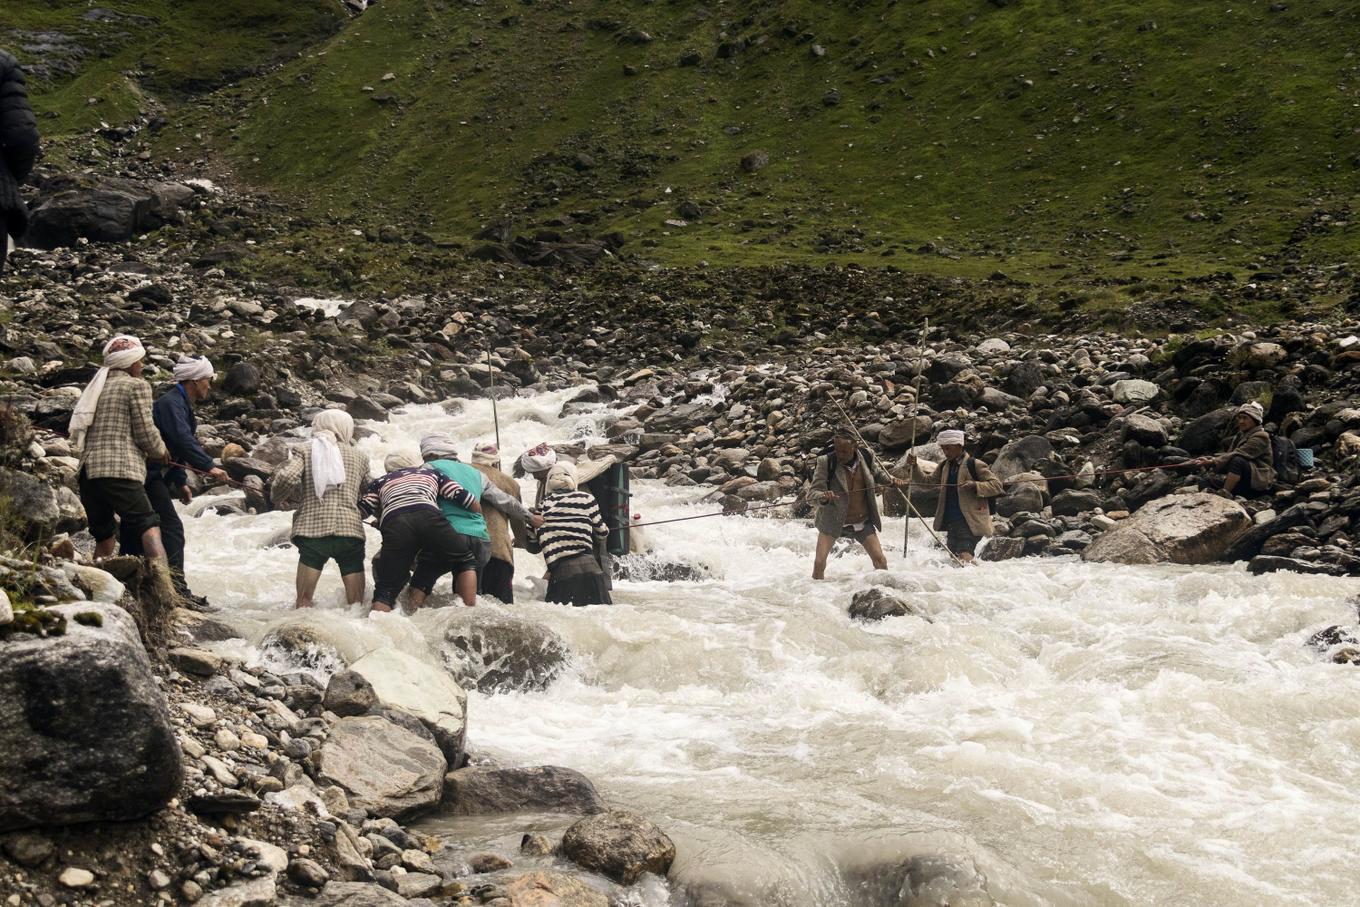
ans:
(406, 505)
(571, 525)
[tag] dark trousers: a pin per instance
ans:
(424, 538)
(1237, 466)
(162, 498)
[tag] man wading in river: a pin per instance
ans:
(844, 484)
(966, 483)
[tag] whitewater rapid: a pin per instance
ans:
(1084, 734)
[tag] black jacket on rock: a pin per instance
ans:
(18, 145)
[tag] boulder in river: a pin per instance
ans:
(494, 652)
(619, 845)
(85, 734)
(1180, 528)
(482, 790)
(421, 689)
(385, 769)
(879, 604)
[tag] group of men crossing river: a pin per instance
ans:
(440, 516)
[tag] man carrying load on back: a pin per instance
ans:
(964, 511)
(844, 485)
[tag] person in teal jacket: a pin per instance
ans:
(439, 453)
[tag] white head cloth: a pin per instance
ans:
(562, 477)
(540, 458)
(399, 460)
(487, 454)
(950, 436)
(330, 429)
(192, 368)
(123, 351)
(1253, 409)
(437, 447)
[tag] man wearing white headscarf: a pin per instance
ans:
(113, 429)
(327, 481)
(536, 463)
(1249, 463)
(966, 486)
(173, 414)
(571, 526)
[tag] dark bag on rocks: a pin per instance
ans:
(1288, 467)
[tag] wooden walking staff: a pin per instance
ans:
(495, 413)
(915, 408)
(910, 508)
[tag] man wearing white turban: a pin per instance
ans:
(173, 414)
(327, 480)
(113, 429)
(843, 483)
(537, 462)
(1249, 463)
(966, 487)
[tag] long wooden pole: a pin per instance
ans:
(495, 413)
(910, 508)
(915, 408)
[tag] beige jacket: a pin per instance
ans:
(972, 501)
(498, 525)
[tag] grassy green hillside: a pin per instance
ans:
(1046, 139)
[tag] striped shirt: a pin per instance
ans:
(409, 489)
(571, 522)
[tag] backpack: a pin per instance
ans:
(1286, 459)
(991, 502)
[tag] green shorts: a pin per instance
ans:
(347, 552)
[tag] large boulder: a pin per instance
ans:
(878, 604)
(1146, 430)
(619, 845)
(113, 211)
(1076, 501)
(1135, 391)
(682, 418)
(496, 652)
(1021, 455)
(85, 734)
(553, 889)
(33, 503)
(421, 689)
(481, 790)
(385, 769)
(1208, 433)
(1180, 528)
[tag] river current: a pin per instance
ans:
(1081, 734)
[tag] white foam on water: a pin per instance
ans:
(1089, 734)
(328, 306)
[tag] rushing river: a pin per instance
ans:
(1083, 734)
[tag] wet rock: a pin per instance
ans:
(1265, 563)
(348, 694)
(480, 790)
(535, 844)
(879, 604)
(305, 645)
(495, 652)
(1002, 548)
(619, 845)
(85, 733)
(553, 889)
(1182, 529)
(386, 770)
(422, 690)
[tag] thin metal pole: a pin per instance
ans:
(495, 412)
(911, 509)
(915, 408)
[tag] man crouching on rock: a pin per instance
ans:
(966, 483)
(844, 485)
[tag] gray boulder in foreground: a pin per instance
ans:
(1179, 529)
(619, 845)
(85, 733)
(481, 790)
(385, 769)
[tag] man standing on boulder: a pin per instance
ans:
(173, 413)
(113, 429)
(1249, 465)
(18, 151)
(844, 485)
(966, 483)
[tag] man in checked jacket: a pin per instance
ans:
(116, 435)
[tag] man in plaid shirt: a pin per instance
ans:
(113, 427)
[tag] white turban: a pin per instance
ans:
(487, 454)
(1253, 409)
(122, 352)
(330, 428)
(192, 368)
(540, 458)
(950, 436)
(399, 460)
(437, 447)
(562, 477)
